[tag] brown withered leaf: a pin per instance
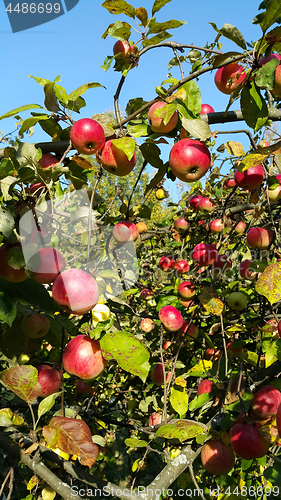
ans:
(231, 392)
(176, 235)
(83, 163)
(211, 301)
(73, 437)
(273, 36)
(254, 198)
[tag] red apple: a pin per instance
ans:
(205, 387)
(49, 379)
(167, 263)
(48, 160)
(212, 354)
(259, 237)
(157, 123)
(228, 77)
(166, 344)
(189, 330)
(75, 290)
(206, 108)
(229, 183)
(206, 204)
(51, 264)
(83, 358)
(35, 325)
(171, 318)
(266, 401)
(265, 60)
(279, 328)
(245, 271)
(157, 374)
(6, 271)
(182, 266)
(146, 325)
(247, 441)
(232, 350)
(240, 227)
(87, 136)
(216, 226)
(217, 458)
(194, 200)
(154, 419)
(37, 188)
(124, 49)
(204, 254)
(146, 294)
(251, 178)
(84, 388)
(189, 160)
(219, 264)
(125, 231)
(187, 290)
(114, 160)
(181, 223)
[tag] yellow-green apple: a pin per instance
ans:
(228, 77)
(146, 325)
(206, 108)
(229, 183)
(181, 223)
(6, 271)
(266, 401)
(216, 226)
(274, 189)
(240, 227)
(114, 160)
(237, 301)
(259, 237)
(146, 294)
(205, 387)
(123, 48)
(247, 441)
(50, 265)
(233, 351)
(251, 178)
(245, 271)
(170, 318)
(217, 458)
(187, 290)
(125, 231)
(189, 160)
(87, 136)
(194, 200)
(49, 379)
(154, 419)
(205, 204)
(157, 374)
(157, 123)
(182, 266)
(160, 194)
(100, 313)
(35, 325)
(142, 227)
(277, 86)
(167, 263)
(82, 357)
(76, 291)
(204, 254)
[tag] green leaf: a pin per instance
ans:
(47, 403)
(127, 145)
(211, 301)
(7, 222)
(6, 167)
(179, 401)
(30, 122)
(193, 99)
(219, 59)
(197, 128)
(201, 368)
(273, 474)
(138, 128)
(151, 154)
(269, 283)
(166, 112)
(253, 107)
(199, 401)
(8, 309)
(181, 430)
(128, 351)
(158, 4)
(119, 7)
(265, 76)
(270, 16)
(51, 127)
(23, 381)
(135, 443)
(26, 155)
(141, 14)
(156, 179)
(119, 30)
(232, 33)
(107, 62)
(61, 94)
(157, 39)
(5, 185)
(271, 350)
(155, 27)
(81, 90)
(33, 293)
(50, 102)
(18, 110)
(40, 81)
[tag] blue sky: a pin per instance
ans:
(71, 46)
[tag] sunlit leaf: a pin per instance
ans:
(156, 39)
(141, 14)
(155, 27)
(15, 111)
(232, 33)
(47, 403)
(158, 4)
(269, 283)
(135, 443)
(200, 369)
(271, 15)
(253, 107)
(119, 30)
(181, 430)
(125, 144)
(81, 90)
(211, 301)
(23, 381)
(234, 148)
(119, 7)
(197, 128)
(179, 401)
(265, 76)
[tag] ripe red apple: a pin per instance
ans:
(166, 344)
(206, 108)
(228, 77)
(259, 237)
(205, 387)
(123, 48)
(217, 458)
(204, 254)
(84, 388)
(206, 204)
(51, 264)
(171, 318)
(35, 325)
(146, 294)
(189, 330)
(157, 374)
(37, 188)
(277, 87)
(75, 290)
(240, 227)
(216, 226)
(232, 350)
(8, 272)
(245, 271)
(229, 183)
(212, 354)
(83, 358)
(48, 160)
(187, 290)
(114, 160)
(279, 328)
(157, 123)
(189, 160)
(251, 178)
(182, 266)
(194, 200)
(49, 379)
(181, 223)
(266, 401)
(167, 263)
(87, 136)
(247, 442)
(146, 325)
(125, 231)
(154, 419)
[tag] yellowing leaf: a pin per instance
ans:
(269, 283)
(235, 148)
(200, 368)
(23, 381)
(179, 401)
(179, 94)
(48, 493)
(180, 381)
(181, 429)
(211, 301)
